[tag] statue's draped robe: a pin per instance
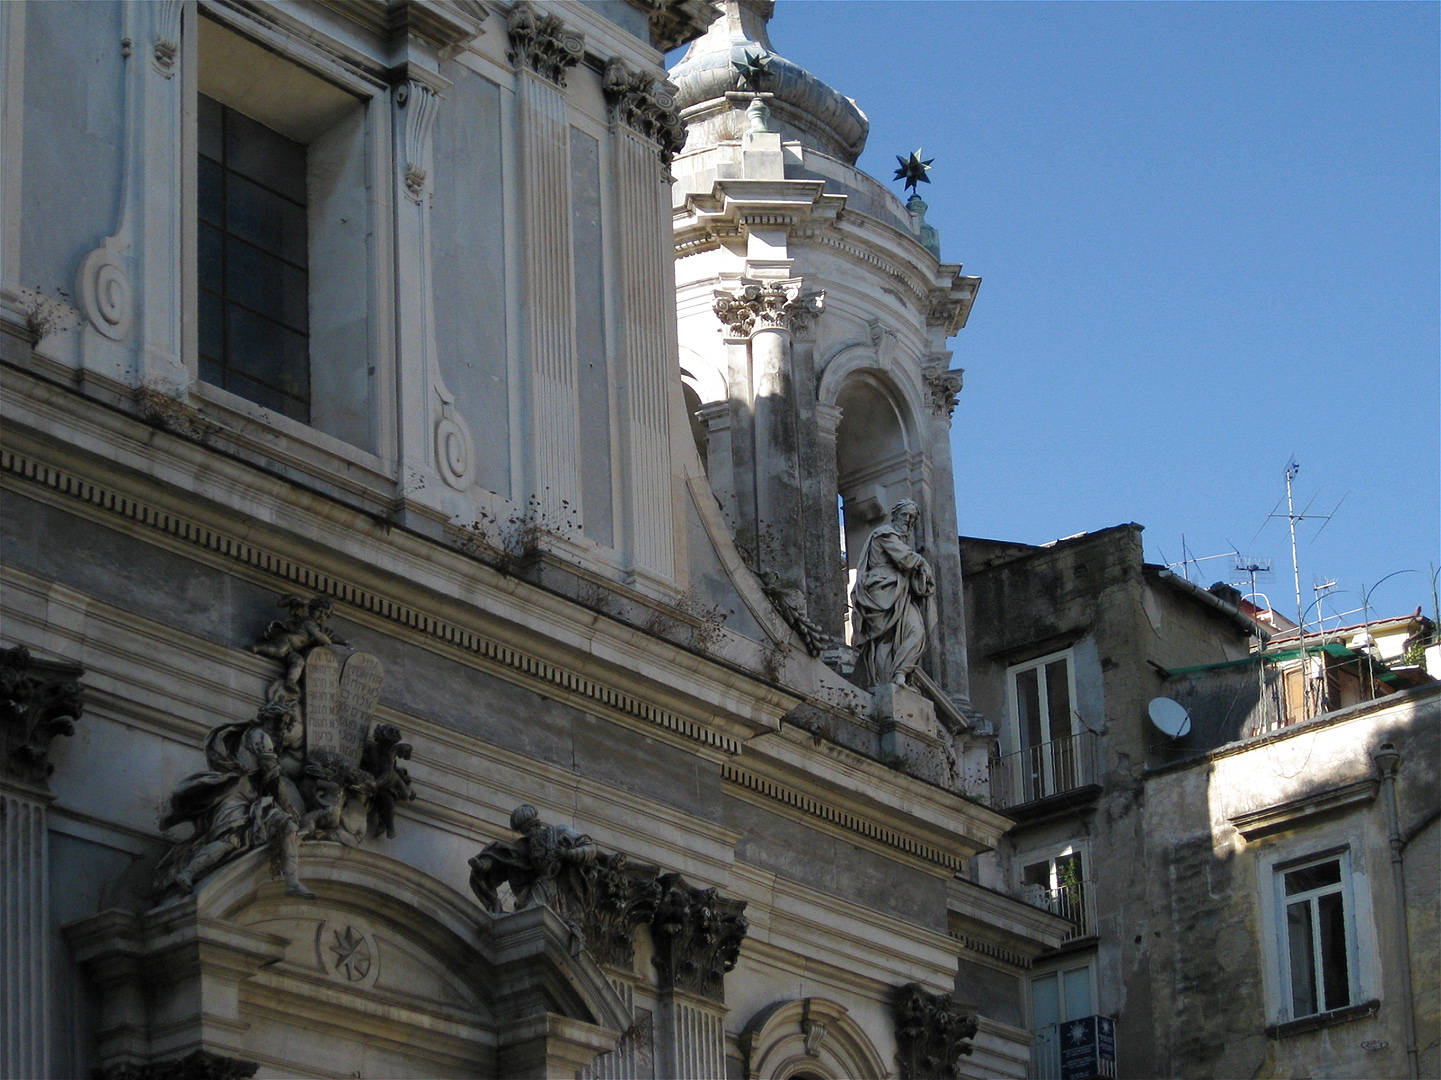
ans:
(890, 598)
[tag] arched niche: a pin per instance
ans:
(878, 455)
(385, 972)
(809, 1038)
(701, 386)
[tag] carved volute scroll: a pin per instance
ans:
(932, 1033)
(39, 700)
(646, 105)
(543, 43)
(768, 306)
(420, 105)
(698, 935)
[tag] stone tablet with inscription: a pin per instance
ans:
(359, 691)
(322, 694)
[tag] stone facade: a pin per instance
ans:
(347, 470)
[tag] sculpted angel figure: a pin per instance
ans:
(547, 865)
(290, 640)
(891, 601)
(239, 803)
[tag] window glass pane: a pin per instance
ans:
(1028, 707)
(1046, 1000)
(1313, 877)
(212, 331)
(1334, 970)
(207, 128)
(265, 219)
(211, 372)
(1077, 992)
(267, 351)
(265, 156)
(267, 285)
(1058, 699)
(1037, 874)
(210, 189)
(211, 264)
(1303, 969)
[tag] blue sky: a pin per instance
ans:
(1208, 239)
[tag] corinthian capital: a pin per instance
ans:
(769, 306)
(942, 386)
(543, 43)
(39, 700)
(646, 105)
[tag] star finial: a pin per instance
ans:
(753, 69)
(913, 170)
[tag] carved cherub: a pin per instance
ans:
(380, 759)
(329, 784)
(291, 640)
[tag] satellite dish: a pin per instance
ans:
(1170, 717)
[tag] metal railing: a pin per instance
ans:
(1046, 769)
(1075, 902)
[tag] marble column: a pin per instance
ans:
(41, 700)
(947, 659)
(698, 937)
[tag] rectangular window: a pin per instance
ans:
(1319, 939)
(1049, 755)
(254, 325)
(1057, 997)
(1060, 885)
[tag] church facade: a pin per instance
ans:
(431, 435)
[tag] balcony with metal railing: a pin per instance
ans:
(1046, 769)
(1076, 902)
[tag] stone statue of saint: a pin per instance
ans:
(239, 803)
(547, 865)
(891, 601)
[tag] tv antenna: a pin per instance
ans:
(1255, 570)
(1188, 559)
(1292, 517)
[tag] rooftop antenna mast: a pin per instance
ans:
(1255, 570)
(1292, 468)
(1189, 559)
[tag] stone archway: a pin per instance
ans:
(387, 972)
(807, 1038)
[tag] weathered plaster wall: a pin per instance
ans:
(1212, 938)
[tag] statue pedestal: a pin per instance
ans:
(911, 736)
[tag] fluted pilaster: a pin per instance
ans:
(650, 348)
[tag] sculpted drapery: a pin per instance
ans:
(891, 601)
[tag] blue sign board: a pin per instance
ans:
(1088, 1048)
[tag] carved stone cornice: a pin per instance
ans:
(646, 105)
(950, 305)
(200, 1065)
(768, 306)
(543, 43)
(674, 22)
(698, 935)
(39, 699)
(942, 386)
(932, 1033)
